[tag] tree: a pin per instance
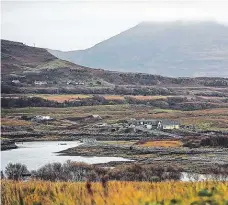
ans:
(16, 171)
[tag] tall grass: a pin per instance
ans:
(114, 193)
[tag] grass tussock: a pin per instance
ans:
(114, 193)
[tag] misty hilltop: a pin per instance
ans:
(175, 49)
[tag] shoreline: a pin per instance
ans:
(190, 160)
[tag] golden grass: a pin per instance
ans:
(115, 193)
(14, 122)
(62, 98)
(163, 143)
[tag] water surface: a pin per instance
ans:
(36, 154)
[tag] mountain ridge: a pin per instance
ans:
(174, 49)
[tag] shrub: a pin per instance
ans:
(68, 171)
(16, 171)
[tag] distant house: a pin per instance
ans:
(40, 82)
(79, 83)
(155, 124)
(40, 118)
(88, 140)
(149, 124)
(96, 117)
(70, 82)
(169, 125)
(16, 81)
(101, 125)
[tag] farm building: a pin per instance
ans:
(40, 82)
(16, 81)
(169, 125)
(88, 140)
(40, 118)
(150, 124)
(155, 124)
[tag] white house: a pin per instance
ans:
(169, 125)
(40, 82)
(39, 118)
(16, 81)
(156, 124)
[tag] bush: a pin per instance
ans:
(78, 171)
(138, 172)
(16, 171)
(219, 141)
(68, 171)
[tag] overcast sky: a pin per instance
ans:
(73, 25)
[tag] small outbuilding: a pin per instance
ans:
(16, 81)
(40, 82)
(41, 118)
(169, 125)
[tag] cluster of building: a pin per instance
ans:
(155, 124)
(88, 140)
(70, 82)
(37, 82)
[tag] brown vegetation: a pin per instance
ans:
(161, 143)
(114, 193)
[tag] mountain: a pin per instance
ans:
(175, 49)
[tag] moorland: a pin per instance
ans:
(48, 99)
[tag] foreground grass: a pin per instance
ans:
(115, 193)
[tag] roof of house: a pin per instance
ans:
(149, 120)
(169, 122)
(156, 121)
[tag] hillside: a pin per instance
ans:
(178, 49)
(17, 57)
(28, 64)
(23, 66)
